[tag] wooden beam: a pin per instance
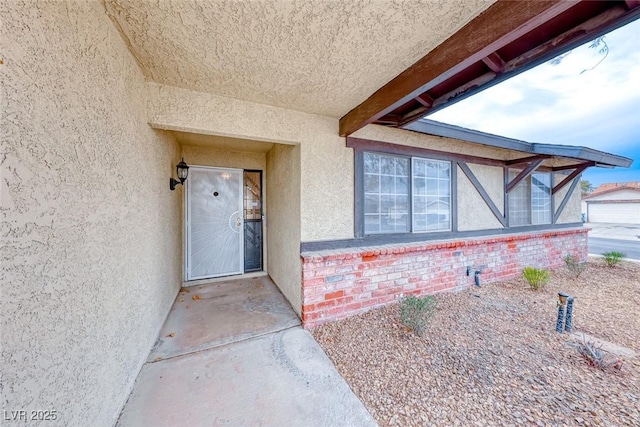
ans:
(494, 62)
(390, 119)
(480, 189)
(414, 115)
(425, 99)
(567, 167)
(565, 181)
(565, 200)
(461, 90)
(632, 4)
(582, 33)
(527, 159)
(500, 24)
(522, 175)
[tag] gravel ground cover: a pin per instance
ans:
(491, 356)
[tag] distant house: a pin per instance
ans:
(617, 203)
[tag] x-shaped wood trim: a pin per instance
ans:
(527, 159)
(565, 200)
(522, 175)
(483, 193)
(579, 168)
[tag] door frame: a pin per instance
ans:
(187, 225)
(262, 221)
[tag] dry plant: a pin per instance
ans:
(596, 357)
(574, 265)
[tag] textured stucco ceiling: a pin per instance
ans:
(318, 56)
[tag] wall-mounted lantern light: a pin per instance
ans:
(182, 170)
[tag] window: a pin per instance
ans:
(530, 200)
(541, 198)
(431, 195)
(386, 194)
(404, 194)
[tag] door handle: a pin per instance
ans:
(238, 221)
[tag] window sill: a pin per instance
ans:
(429, 237)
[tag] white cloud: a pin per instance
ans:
(563, 102)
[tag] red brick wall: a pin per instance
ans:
(340, 283)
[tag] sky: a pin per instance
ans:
(587, 100)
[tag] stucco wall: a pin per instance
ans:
(326, 164)
(416, 139)
(572, 210)
(206, 156)
(473, 212)
(90, 230)
(283, 221)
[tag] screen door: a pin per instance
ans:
(214, 223)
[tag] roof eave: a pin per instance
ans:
(583, 153)
(609, 191)
(446, 130)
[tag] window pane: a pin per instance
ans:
(431, 213)
(419, 204)
(419, 186)
(519, 202)
(432, 187)
(402, 185)
(443, 170)
(386, 204)
(386, 184)
(371, 183)
(387, 165)
(371, 203)
(372, 223)
(432, 168)
(419, 222)
(443, 188)
(371, 164)
(541, 198)
(402, 167)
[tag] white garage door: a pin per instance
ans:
(617, 213)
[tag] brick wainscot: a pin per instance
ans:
(340, 283)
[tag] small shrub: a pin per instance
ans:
(415, 312)
(574, 265)
(536, 277)
(613, 258)
(596, 358)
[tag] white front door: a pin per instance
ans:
(214, 223)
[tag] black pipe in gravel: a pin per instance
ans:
(568, 325)
(560, 321)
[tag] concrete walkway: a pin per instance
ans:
(208, 316)
(238, 357)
